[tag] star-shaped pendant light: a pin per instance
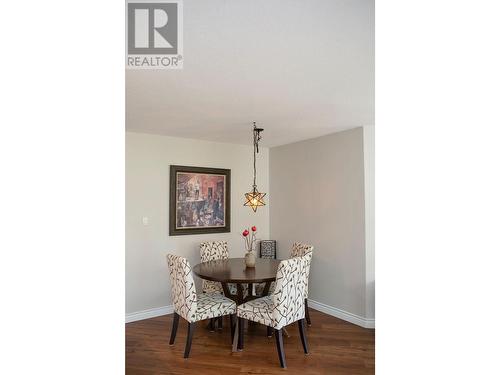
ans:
(255, 199)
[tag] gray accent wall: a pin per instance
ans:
(317, 196)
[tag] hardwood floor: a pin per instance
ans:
(335, 346)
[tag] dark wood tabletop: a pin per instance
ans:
(233, 270)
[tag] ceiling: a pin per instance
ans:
(301, 69)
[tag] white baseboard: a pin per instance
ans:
(333, 311)
(150, 313)
(341, 314)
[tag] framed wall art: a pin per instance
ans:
(200, 200)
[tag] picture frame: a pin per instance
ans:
(268, 249)
(200, 200)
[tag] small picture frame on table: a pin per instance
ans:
(268, 249)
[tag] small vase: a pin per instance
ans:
(250, 259)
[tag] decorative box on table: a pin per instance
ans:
(268, 249)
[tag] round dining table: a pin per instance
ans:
(234, 270)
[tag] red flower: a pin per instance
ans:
(245, 233)
(254, 228)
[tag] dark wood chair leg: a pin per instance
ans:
(211, 325)
(232, 322)
(241, 324)
(269, 331)
(239, 294)
(267, 286)
(303, 337)
(278, 333)
(189, 339)
(175, 324)
(307, 312)
(219, 322)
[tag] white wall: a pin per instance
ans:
(317, 196)
(148, 158)
(321, 191)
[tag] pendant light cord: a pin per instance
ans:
(255, 140)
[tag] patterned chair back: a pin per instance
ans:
(288, 296)
(183, 288)
(213, 250)
(300, 249)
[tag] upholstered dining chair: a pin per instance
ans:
(188, 304)
(285, 306)
(213, 250)
(300, 249)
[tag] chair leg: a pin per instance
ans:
(285, 332)
(241, 324)
(219, 322)
(232, 322)
(175, 324)
(211, 325)
(278, 333)
(269, 331)
(303, 337)
(307, 312)
(189, 339)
